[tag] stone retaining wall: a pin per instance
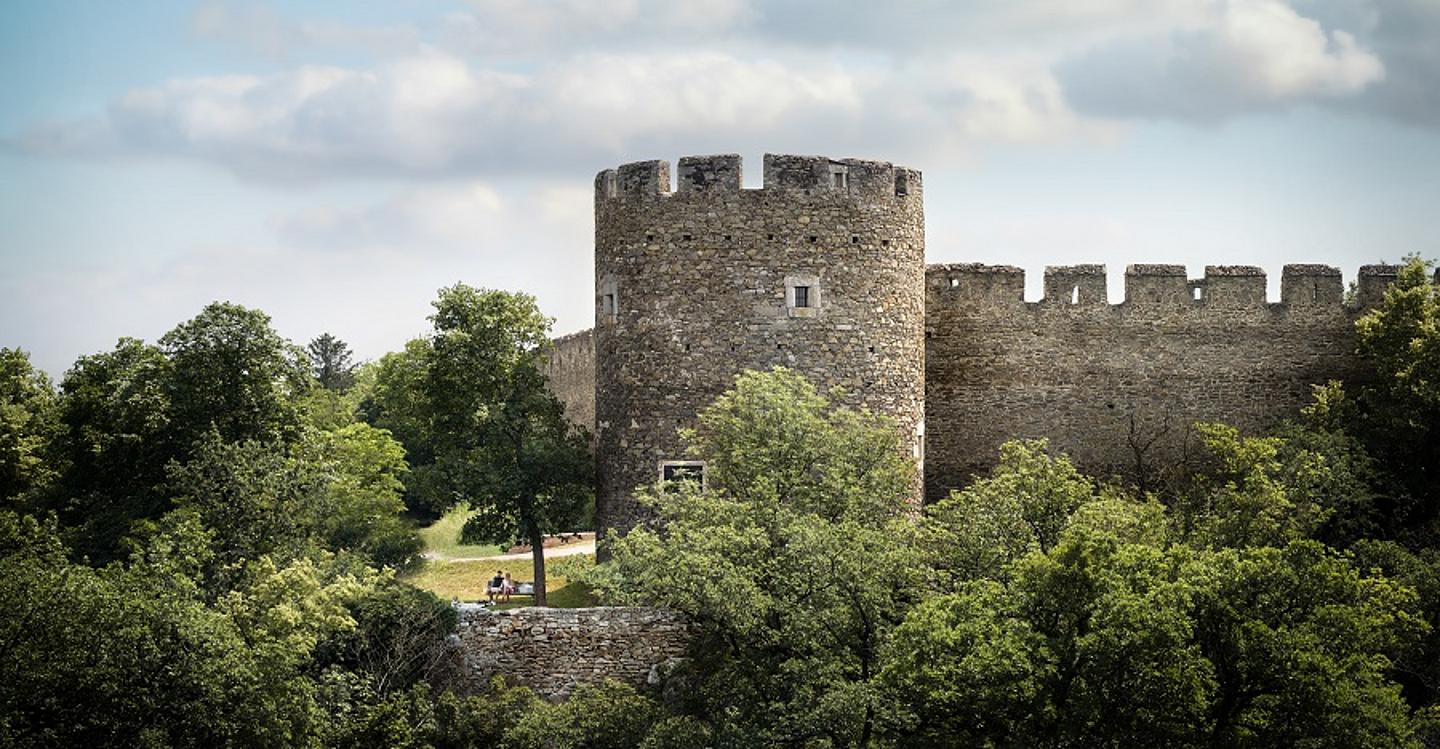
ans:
(554, 650)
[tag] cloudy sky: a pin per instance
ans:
(334, 163)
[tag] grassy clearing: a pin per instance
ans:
(466, 581)
(442, 538)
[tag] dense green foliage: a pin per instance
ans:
(1034, 608)
(331, 362)
(199, 543)
(797, 559)
(1103, 642)
(27, 406)
(471, 405)
(188, 557)
(1397, 413)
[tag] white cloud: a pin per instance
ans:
(1007, 103)
(1250, 55)
(495, 27)
(436, 218)
(1405, 34)
(644, 78)
(259, 28)
(435, 113)
(1281, 54)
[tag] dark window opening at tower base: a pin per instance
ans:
(673, 473)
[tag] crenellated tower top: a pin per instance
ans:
(800, 175)
(821, 270)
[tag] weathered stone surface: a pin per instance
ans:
(570, 372)
(1101, 380)
(695, 286)
(554, 650)
(697, 280)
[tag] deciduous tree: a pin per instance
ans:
(1021, 506)
(471, 405)
(1104, 643)
(113, 445)
(27, 412)
(1400, 407)
(233, 374)
(795, 560)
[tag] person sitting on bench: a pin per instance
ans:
(497, 584)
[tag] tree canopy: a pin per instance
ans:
(331, 362)
(27, 406)
(1035, 608)
(199, 546)
(796, 559)
(471, 405)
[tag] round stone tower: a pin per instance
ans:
(822, 270)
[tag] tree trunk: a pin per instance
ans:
(537, 553)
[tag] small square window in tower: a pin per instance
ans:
(802, 295)
(609, 301)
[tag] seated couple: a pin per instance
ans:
(500, 585)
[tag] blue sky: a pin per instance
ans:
(335, 163)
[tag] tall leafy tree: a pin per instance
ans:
(397, 402)
(795, 559)
(1399, 413)
(127, 414)
(331, 362)
(498, 437)
(358, 493)
(114, 443)
(27, 410)
(233, 374)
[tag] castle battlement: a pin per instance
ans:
(822, 270)
(796, 175)
(1159, 286)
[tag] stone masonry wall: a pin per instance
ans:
(1100, 380)
(571, 375)
(554, 650)
(695, 286)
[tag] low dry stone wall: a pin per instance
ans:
(554, 650)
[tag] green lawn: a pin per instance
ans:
(442, 538)
(452, 571)
(466, 581)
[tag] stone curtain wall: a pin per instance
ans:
(571, 375)
(1099, 379)
(694, 286)
(554, 650)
